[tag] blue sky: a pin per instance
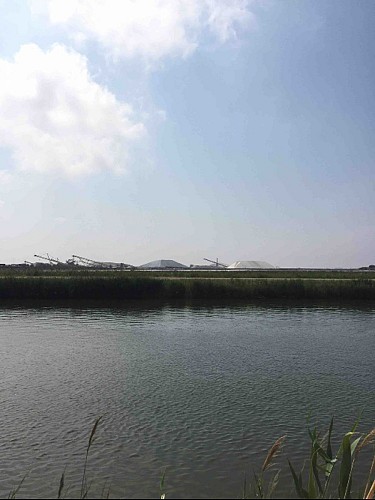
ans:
(187, 129)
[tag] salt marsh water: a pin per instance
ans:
(202, 390)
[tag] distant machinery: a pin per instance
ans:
(55, 262)
(51, 260)
(89, 262)
(217, 263)
(101, 265)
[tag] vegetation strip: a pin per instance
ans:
(127, 286)
(191, 273)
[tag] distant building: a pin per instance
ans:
(163, 264)
(251, 264)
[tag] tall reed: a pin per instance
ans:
(322, 463)
(122, 286)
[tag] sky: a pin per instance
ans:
(137, 130)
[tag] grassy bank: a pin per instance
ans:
(191, 273)
(131, 286)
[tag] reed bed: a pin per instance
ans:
(326, 473)
(130, 287)
(191, 273)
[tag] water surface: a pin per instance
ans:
(202, 390)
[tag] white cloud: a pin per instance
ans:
(60, 220)
(54, 117)
(5, 177)
(151, 29)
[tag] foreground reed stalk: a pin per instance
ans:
(323, 462)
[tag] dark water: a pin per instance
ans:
(200, 390)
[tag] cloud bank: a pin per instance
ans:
(150, 29)
(54, 117)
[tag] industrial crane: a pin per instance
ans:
(88, 262)
(102, 265)
(51, 260)
(217, 263)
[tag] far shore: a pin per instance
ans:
(250, 285)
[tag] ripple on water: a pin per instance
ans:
(203, 391)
